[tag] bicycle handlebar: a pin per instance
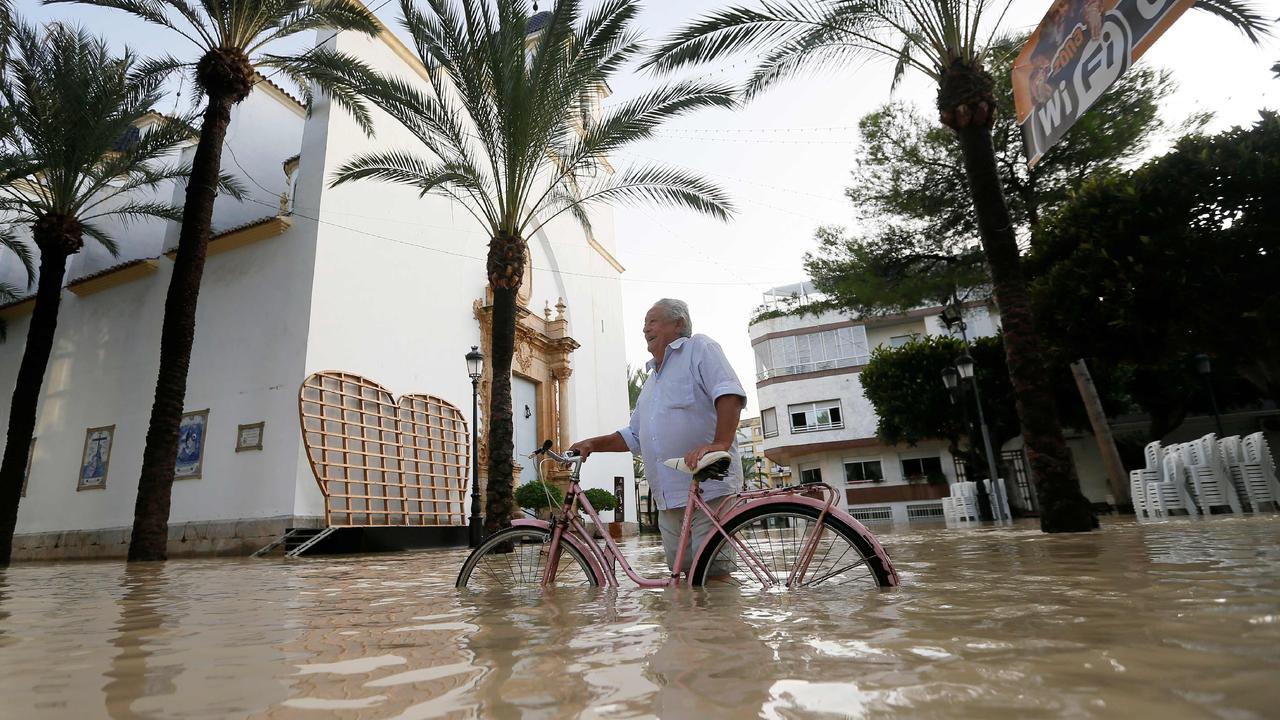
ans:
(569, 457)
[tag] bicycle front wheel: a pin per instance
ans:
(517, 557)
(775, 537)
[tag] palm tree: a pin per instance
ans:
(945, 40)
(507, 132)
(228, 34)
(64, 173)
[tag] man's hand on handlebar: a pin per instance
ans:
(583, 448)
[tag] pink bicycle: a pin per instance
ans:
(777, 538)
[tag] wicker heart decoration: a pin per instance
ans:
(382, 462)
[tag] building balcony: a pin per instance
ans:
(876, 493)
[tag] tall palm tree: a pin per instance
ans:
(507, 131)
(66, 175)
(230, 36)
(947, 40)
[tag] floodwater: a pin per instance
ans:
(1168, 620)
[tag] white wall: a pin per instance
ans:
(246, 365)
(397, 275)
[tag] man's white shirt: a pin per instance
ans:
(676, 412)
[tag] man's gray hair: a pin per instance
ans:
(677, 310)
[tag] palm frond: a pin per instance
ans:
(1247, 17)
(102, 238)
(10, 241)
(654, 184)
(336, 74)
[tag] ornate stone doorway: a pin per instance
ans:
(543, 347)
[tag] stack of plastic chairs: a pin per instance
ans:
(1232, 453)
(1140, 479)
(964, 502)
(1209, 476)
(1169, 492)
(1258, 469)
(999, 498)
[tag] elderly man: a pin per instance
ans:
(689, 406)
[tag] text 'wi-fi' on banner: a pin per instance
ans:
(1080, 49)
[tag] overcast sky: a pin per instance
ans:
(787, 177)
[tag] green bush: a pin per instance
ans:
(602, 500)
(533, 495)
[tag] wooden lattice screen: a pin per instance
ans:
(383, 463)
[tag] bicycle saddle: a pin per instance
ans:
(712, 466)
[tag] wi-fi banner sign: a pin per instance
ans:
(1079, 51)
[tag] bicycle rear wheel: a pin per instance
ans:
(776, 535)
(517, 557)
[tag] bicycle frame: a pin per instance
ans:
(568, 527)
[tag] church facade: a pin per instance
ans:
(303, 280)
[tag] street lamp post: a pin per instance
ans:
(760, 472)
(952, 317)
(475, 368)
(1205, 370)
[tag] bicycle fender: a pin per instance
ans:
(570, 538)
(818, 505)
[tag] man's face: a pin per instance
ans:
(659, 330)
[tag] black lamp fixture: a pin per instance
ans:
(951, 379)
(951, 314)
(475, 368)
(964, 365)
(1203, 366)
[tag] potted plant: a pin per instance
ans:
(604, 501)
(539, 497)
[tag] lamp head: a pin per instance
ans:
(951, 315)
(964, 364)
(950, 378)
(475, 363)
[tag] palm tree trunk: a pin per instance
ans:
(499, 501)
(26, 396)
(505, 268)
(150, 537)
(1063, 507)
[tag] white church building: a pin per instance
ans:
(365, 280)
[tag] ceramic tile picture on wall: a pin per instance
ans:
(191, 437)
(96, 458)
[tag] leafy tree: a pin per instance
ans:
(229, 36)
(508, 133)
(944, 40)
(910, 183)
(602, 500)
(63, 173)
(537, 495)
(1180, 256)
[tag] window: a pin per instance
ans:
(879, 513)
(861, 471)
(842, 347)
(810, 475)
(898, 341)
(824, 415)
(769, 422)
(921, 468)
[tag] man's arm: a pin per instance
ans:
(728, 415)
(612, 442)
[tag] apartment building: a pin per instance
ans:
(815, 419)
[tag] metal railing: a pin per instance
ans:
(851, 361)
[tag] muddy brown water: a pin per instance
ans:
(1168, 620)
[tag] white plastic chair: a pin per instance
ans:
(1210, 479)
(1259, 471)
(1169, 492)
(999, 496)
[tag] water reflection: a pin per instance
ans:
(139, 632)
(1177, 619)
